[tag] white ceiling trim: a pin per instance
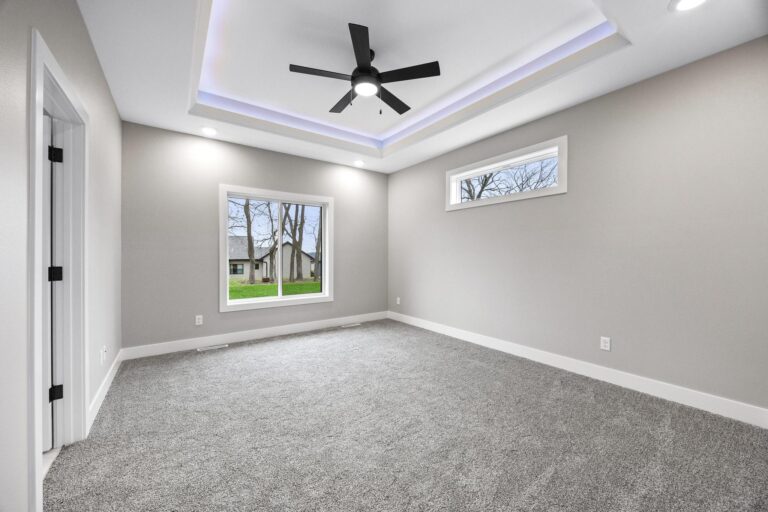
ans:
(548, 60)
(586, 48)
(235, 112)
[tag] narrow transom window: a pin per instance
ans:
(275, 248)
(534, 171)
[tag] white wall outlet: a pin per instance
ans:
(398, 301)
(605, 343)
(198, 319)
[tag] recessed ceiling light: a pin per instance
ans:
(684, 5)
(358, 163)
(208, 131)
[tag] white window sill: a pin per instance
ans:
(519, 196)
(273, 302)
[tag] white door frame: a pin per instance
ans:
(51, 91)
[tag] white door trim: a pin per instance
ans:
(51, 90)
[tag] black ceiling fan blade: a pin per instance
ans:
(318, 72)
(361, 45)
(394, 102)
(343, 102)
(411, 72)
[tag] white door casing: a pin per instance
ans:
(51, 92)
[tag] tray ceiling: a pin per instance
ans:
(250, 44)
(182, 65)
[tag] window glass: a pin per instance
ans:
(302, 249)
(252, 236)
(535, 171)
(275, 249)
(511, 179)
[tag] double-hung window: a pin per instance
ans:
(534, 171)
(275, 248)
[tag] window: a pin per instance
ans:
(535, 171)
(275, 248)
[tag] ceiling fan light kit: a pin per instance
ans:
(365, 79)
(365, 85)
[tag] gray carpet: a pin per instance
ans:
(389, 417)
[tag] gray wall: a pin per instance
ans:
(62, 27)
(661, 241)
(170, 213)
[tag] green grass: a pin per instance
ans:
(240, 290)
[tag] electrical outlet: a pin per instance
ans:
(398, 301)
(605, 343)
(198, 319)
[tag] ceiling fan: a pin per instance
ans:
(366, 80)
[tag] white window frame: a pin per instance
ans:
(454, 177)
(225, 304)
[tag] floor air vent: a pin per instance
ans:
(212, 347)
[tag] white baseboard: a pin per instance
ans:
(95, 405)
(155, 349)
(741, 411)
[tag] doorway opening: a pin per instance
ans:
(55, 243)
(57, 205)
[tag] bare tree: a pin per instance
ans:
(478, 187)
(268, 240)
(298, 242)
(236, 222)
(289, 228)
(249, 234)
(315, 228)
(273, 245)
(511, 180)
(319, 249)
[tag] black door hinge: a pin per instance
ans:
(55, 273)
(55, 154)
(56, 392)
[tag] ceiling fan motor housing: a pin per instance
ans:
(362, 75)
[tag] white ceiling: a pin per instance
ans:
(182, 65)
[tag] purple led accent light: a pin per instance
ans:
(575, 45)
